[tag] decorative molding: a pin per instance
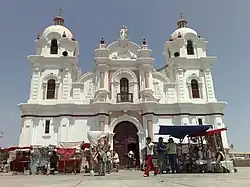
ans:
(106, 114)
(194, 76)
(100, 97)
(51, 76)
(163, 77)
(85, 77)
(131, 119)
(124, 73)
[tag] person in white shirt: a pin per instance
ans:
(200, 161)
(109, 161)
(150, 153)
(116, 161)
(131, 156)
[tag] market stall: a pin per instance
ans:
(70, 157)
(21, 161)
(201, 140)
(187, 153)
(213, 139)
(4, 155)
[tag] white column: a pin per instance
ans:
(141, 137)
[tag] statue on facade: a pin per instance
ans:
(123, 33)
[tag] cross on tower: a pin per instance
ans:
(60, 12)
(181, 15)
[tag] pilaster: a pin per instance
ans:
(102, 75)
(149, 122)
(111, 138)
(146, 77)
(209, 85)
(65, 84)
(141, 139)
(103, 126)
(180, 85)
(34, 86)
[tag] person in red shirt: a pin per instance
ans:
(150, 153)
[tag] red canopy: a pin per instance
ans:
(209, 133)
(66, 152)
(14, 148)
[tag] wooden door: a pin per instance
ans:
(124, 132)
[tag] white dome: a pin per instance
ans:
(183, 31)
(58, 29)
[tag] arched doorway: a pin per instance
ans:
(126, 139)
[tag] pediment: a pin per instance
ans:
(123, 50)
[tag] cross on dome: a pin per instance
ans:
(181, 15)
(182, 22)
(60, 12)
(59, 20)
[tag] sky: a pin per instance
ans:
(224, 24)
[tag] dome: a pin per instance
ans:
(183, 31)
(60, 29)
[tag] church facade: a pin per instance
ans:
(124, 95)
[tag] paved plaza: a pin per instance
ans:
(131, 179)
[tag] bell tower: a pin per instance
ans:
(54, 64)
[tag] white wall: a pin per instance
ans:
(65, 129)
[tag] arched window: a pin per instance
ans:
(190, 47)
(124, 85)
(195, 89)
(51, 89)
(124, 90)
(54, 47)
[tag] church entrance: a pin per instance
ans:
(125, 140)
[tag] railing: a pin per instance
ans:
(124, 97)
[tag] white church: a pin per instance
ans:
(124, 95)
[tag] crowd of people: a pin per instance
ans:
(159, 158)
(170, 158)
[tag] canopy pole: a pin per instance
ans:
(215, 142)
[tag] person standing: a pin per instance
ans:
(209, 160)
(53, 162)
(116, 161)
(172, 154)
(131, 157)
(102, 158)
(109, 161)
(161, 150)
(150, 154)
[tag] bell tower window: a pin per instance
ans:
(54, 47)
(51, 89)
(190, 47)
(195, 89)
